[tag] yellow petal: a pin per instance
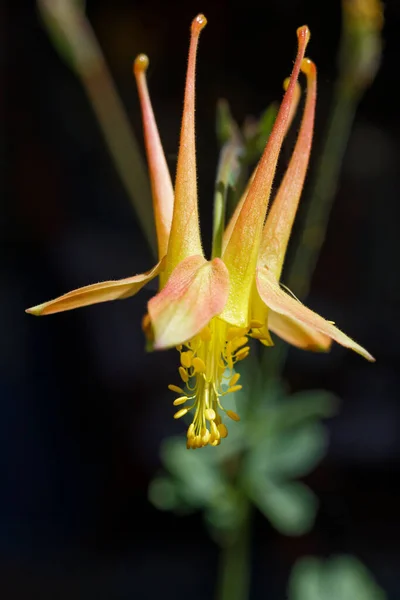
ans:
(298, 334)
(97, 292)
(280, 302)
(185, 239)
(241, 252)
(161, 184)
(278, 225)
(194, 294)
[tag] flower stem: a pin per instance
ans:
(234, 565)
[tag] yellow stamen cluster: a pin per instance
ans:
(207, 370)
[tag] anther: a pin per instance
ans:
(223, 431)
(210, 414)
(198, 365)
(184, 374)
(180, 400)
(234, 379)
(186, 359)
(205, 436)
(242, 353)
(215, 434)
(232, 415)
(180, 413)
(234, 388)
(176, 388)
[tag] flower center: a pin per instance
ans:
(207, 370)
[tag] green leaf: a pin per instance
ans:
(290, 507)
(339, 578)
(296, 452)
(227, 176)
(311, 404)
(199, 481)
(226, 126)
(163, 493)
(257, 133)
(304, 583)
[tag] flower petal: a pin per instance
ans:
(96, 293)
(161, 184)
(280, 302)
(185, 239)
(297, 334)
(195, 293)
(278, 225)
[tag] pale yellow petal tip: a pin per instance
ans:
(35, 310)
(140, 64)
(366, 354)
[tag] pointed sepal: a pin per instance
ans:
(280, 302)
(95, 293)
(185, 238)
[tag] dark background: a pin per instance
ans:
(83, 408)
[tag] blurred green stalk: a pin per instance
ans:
(234, 572)
(75, 40)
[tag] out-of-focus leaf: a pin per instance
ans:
(163, 493)
(256, 133)
(200, 483)
(304, 583)
(312, 404)
(226, 126)
(339, 578)
(290, 507)
(227, 176)
(291, 454)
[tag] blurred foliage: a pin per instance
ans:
(338, 578)
(280, 439)
(235, 168)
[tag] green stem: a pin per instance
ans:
(76, 42)
(234, 566)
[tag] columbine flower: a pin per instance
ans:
(209, 309)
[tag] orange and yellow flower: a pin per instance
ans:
(209, 309)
